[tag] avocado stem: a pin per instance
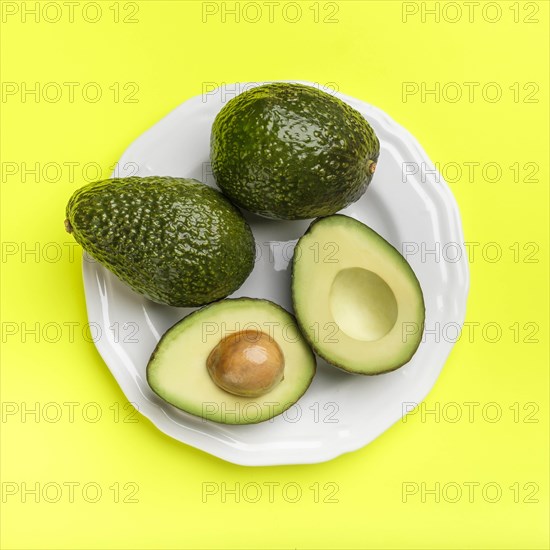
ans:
(372, 167)
(68, 226)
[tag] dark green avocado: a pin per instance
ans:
(289, 151)
(174, 240)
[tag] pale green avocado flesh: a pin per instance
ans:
(177, 370)
(360, 307)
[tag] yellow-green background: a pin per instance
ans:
(368, 53)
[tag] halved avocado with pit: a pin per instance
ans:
(356, 299)
(237, 361)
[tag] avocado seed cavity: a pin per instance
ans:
(247, 363)
(362, 304)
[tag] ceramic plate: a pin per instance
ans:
(407, 202)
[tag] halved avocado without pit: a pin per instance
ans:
(357, 300)
(237, 361)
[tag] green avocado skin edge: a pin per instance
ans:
(289, 151)
(174, 240)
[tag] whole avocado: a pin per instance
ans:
(174, 240)
(289, 151)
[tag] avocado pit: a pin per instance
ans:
(246, 363)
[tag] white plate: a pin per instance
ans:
(340, 412)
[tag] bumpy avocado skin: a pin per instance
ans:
(174, 240)
(289, 151)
